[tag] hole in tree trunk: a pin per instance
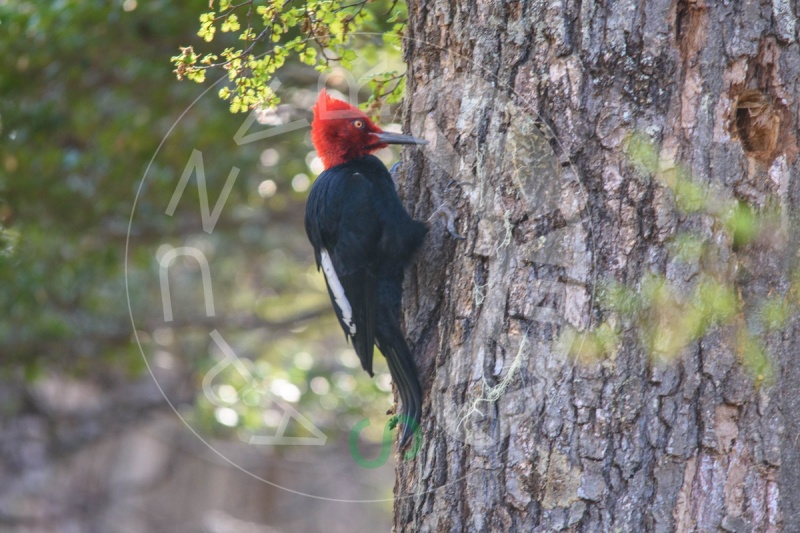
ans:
(758, 124)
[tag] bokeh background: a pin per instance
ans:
(113, 418)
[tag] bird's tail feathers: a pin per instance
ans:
(404, 375)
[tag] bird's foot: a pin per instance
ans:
(394, 170)
(456, 183)
(450, 220)
(446, 212)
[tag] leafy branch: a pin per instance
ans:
(315, 32)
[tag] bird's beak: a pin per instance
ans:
(398, 138)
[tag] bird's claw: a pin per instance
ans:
(444, 211)
(454, 182)
(394, 170)
(450, 218)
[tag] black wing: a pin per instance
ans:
(344, 229)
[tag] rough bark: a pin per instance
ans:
(518, 434)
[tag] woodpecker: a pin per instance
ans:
(363, 239)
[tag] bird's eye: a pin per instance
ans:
(358, 124)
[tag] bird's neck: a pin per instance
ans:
(339, 156)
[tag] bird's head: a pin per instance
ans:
(341, 132)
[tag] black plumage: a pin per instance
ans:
(357, 224)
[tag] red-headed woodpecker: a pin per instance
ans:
(363, 239)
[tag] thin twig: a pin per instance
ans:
(232, 9)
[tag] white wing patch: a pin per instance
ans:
(338, 291)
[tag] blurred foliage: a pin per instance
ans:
(668, 315)
(88, 98)
(268, 34)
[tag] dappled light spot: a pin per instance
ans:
(286, 390)
(300, 183)
(226, 416)
(270, 157)
(267, 189)
(320, 385)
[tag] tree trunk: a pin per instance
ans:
(532, 106)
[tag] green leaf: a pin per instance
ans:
(231, 23)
